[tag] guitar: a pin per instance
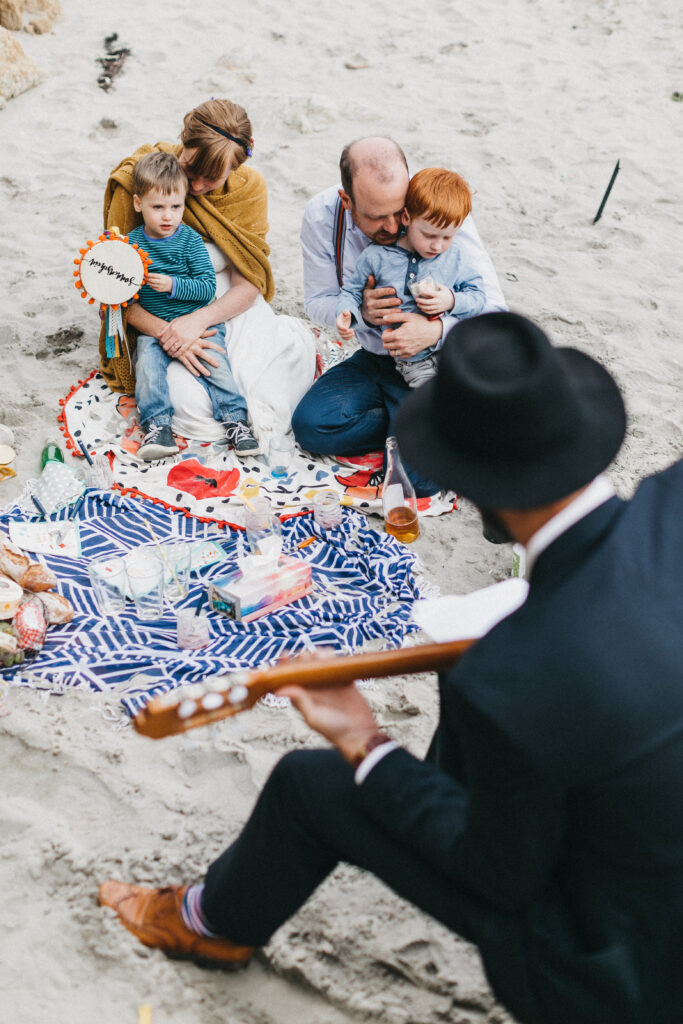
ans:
(170, 714)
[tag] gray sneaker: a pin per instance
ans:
(157, 443)
(241, 438)
(416, 373)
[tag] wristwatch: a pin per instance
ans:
(376, 740)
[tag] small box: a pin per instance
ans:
(246, 598)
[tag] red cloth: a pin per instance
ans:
(202, 481)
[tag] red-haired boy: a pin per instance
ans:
(430, 274)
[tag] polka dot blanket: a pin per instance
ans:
(207, 480)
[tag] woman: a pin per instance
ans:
(272, 358)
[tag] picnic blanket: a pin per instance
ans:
(365, 584)
(208, 480)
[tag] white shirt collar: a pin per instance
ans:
(597, 493)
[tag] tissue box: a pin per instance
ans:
(244, 598)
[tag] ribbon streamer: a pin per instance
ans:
(115, 331)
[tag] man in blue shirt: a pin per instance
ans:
(349, 410)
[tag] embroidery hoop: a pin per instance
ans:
(111, 271)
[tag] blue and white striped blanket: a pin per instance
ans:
(364, 589)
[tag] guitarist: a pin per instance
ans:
(546, 825)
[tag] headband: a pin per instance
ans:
(221, 131)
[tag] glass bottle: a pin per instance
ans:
(51, 453)
(398, 498)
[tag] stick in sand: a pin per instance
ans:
(598, 215)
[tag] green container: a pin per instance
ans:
(50, 453)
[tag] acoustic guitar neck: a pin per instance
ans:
(199, 705)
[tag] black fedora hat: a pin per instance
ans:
(509, 421)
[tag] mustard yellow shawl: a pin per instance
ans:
(234, 217)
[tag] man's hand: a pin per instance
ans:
(160, 282)
(438, 301)
(413, 334)
(182, 332)
(344, 328)
(340, 714)
(377, 302)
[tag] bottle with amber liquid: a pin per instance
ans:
(398, 498)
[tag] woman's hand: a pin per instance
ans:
(179, 334)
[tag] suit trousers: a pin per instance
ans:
(307, 819)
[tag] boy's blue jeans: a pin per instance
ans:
(350, 410)
(151, 387)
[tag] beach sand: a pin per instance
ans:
(533, 103)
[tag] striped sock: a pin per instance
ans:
(192, 913)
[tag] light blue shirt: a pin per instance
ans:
(399, 268)
(321, 288)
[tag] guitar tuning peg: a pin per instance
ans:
(237, 694)
(187, 708)
(212, 701)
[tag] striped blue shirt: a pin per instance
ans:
(183, 257)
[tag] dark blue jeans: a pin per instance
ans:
(350, 410)
(151, 386)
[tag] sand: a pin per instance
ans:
(533, 103)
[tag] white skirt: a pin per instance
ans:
(272, 360)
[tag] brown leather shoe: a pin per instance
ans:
(153, 916)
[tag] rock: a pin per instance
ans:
(18, 72)
(46, 13)
(11, 14)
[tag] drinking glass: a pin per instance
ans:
(108, 579)
(146, 573)
(176, 555)
(327, 510)
(193, 629)
(281, 453)
(264, 530)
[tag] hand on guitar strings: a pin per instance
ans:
(341, 715)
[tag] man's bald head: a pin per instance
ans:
(374, 174)
(377, 157)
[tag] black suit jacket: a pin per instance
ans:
(554, 790)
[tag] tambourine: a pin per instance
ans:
(111, 271)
